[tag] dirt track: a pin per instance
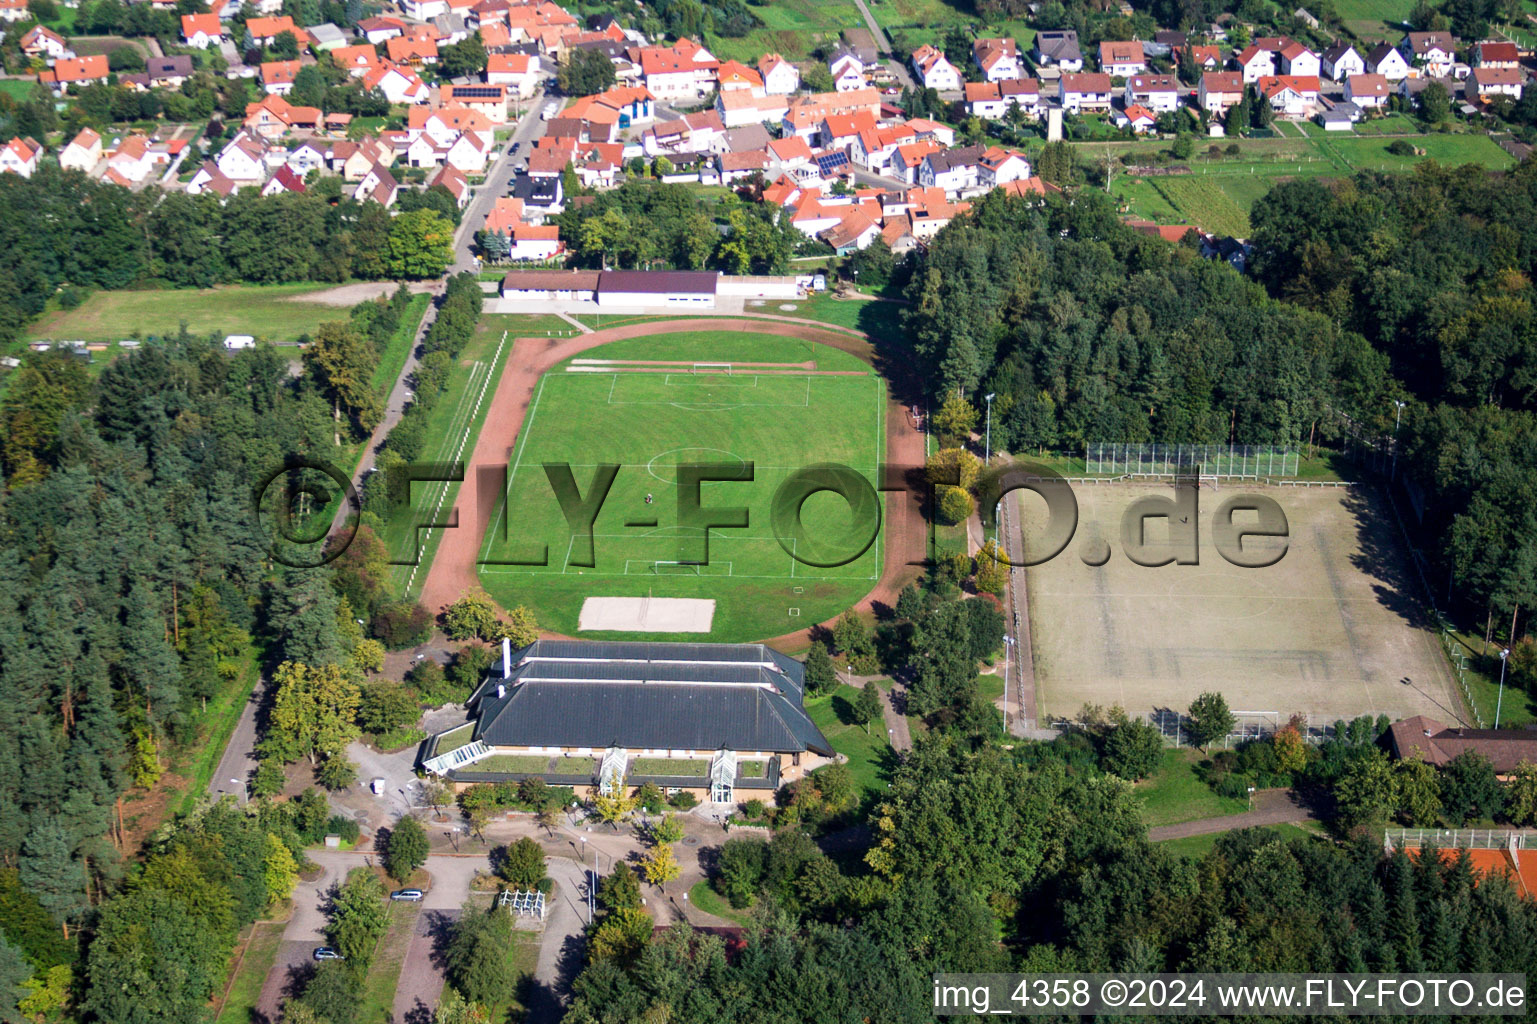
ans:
(453, 569)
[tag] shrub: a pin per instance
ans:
(341, 825)
(683, 800)
(1234, 786)
(402, 624)
(955, 505)
(1401, 147)
(753, 809)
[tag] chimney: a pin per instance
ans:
(501, 690)
(506, 657)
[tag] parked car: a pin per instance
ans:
(407, 895)
(327, 953)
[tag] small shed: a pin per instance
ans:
(236, 342)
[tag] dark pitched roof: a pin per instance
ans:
(637, 695)
(658, 282)
(1438, 743)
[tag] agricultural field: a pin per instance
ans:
(643, 408)
(1219, 192)
(1375, 20)
(792, 28)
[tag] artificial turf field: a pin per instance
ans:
(609, 406)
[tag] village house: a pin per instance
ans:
(684, 70)
(377, 186)
(42, 41)
(83, 152)
(1387, 61)
(1298, 61)
(74, 72)
(1220, 90)
(201, 30)
(1431, 53)
(935, 71)
(264, 31)
(1058, 49)
(1490, 82)
(519, 72)
(780, 77)
(1084, 93)
(1496, 55)
(1120, 59)
(847, 70)
(1367, 91)
(997, 57)
(19, 156)
(992, 100)
(1290, 95)
(1136, 117)
(1158, 93)
(1342, 60)
(278, 76)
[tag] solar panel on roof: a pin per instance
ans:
(832, 161)
(478, 91)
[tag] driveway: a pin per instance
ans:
(421, 972)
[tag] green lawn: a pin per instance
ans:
(709, 901)
(453, 425)
(1196, 847)
(276, 312)
(523, 955)
(670, 766)
(1370, 19)
(530, 763)
(649, 423)
(1219, 193)
(1481, 669)
(376, 1005)
(245, 988)
(791, 28)
(870, 755)
(1176, 794)
(877, 319)
(18, 88)
(398, 348)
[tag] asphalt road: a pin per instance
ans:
(498, 179)
(239, 759)
(898, 63)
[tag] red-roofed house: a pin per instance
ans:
(83, 152)
(376, 30)
(278, 76)
(264, 31)
(780, 77)
(1367, 90)
(1290, 95)
(1121, 59)
(1078, 93)
(201, 30)
(1136, 117)
(357, 60)
(1158, 93)
(855, 230)
(684, 69)
(285, 180)
(1437, 743)
(75, 71)
(1490, 82)
(1298, 60)
(519, 72)
(1220, 90)
(401, 85)
(42, 41)
(734, 75)
(934, 71)
(13, 11)
(20, 157)
(412, 50)
(997, 57)
(1496, 55)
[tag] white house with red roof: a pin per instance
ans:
(1496, 55)
(278, 76)
(1490, 82)
(935, 71)
(1367, 91)
(42, 41)
(13, 11)
(73, 72)
(132, 158)
(423, 10)
(400, 85)
(20, 156)
(991, 100)
(83, 152)
(998, 57)
(1255, 62)
(1297, 60)
(1122, 59)
(201, 30)
(264, 31)
(378, 185)
(1136, 117)
(684, 69)
(377, 29)
(1290, 95)
(1081, 92)
(285, 180)
(519, 72)
(1158, 93)
(1219, 90)
(780, 77)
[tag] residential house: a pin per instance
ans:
(12, 11)
(452, 179)
(1342, 60)
(1433, 53)
(907, 160)
(354, 159)
(73, 72)
(734, 76)
(1496, 55)
(1120, 59)
(168, 72)
(423, 10)
(847, 69)
(1437, 744)
(1290, 95)
(285, 180)
(1220, 90)
(1136, 117)
(534, 242)
(519, 72)
(19, 156)
(274, 115)
(83, 152)
(401, 85)
(1387, 61)
(1058, 49)
(201, 30)
(1255, 62)
(1084, 92)
(855, 230)
(378, 185)
(264, 31)
(1367, 91)
(209, 178)
(1205, 58)
(998, 57)
(999, 166)
(780, 77)
(131, 159)
(740, 107)
(357, 60)
(378, 29)
(325, 37)
(305, 157)
(278, 76)
(1298, 61)
(684, 70)
(412, 50)
(1158, 93)
(1491, 82)
(806, 113)
(788, 154)
(42, 41)
(734, 166)
(839, 131)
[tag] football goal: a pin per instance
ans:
(720, 368)
(675, 568)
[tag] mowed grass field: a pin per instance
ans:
(276, 312)
(791, 28)
(1375, 20)
(1219, 193)
(825, 407)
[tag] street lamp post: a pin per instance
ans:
(1397, 417)
(1504, 658)
(987, 450)
(245, 791)
(1251, 798)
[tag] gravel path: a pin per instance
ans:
(1272, 807)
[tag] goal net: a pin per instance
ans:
(1208, 482)
(721, 368)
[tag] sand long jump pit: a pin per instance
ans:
(1331, 631)
(647, 614)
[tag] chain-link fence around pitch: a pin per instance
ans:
(1250, 461)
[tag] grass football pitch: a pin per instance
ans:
(609, 407)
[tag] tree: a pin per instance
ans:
(867, 707)
(472, 616)
(522, 865)
(1419, 800)
(359, 916)
(1133, 750)
(342, 361)
(955, 421)
(407, 849)
(280, 872)
(454, 1009)
(621, 935)
(466, 57)
(615, 805)
(1210, 719)
(314, 710)
(476, 958)
(954, 466)
(1469, 789)
(420, 245)
(620, 888)
(336, 772)
(992, 574)
(955, 505)
(520, 627)
(384, 707)
(666, 830)
(150, 960)
(821, 677)
(1435, 103)
(660, 865)
(740, 868)
(1367, 790)
(1521, 795)
(1290, 750)
(585, 72)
